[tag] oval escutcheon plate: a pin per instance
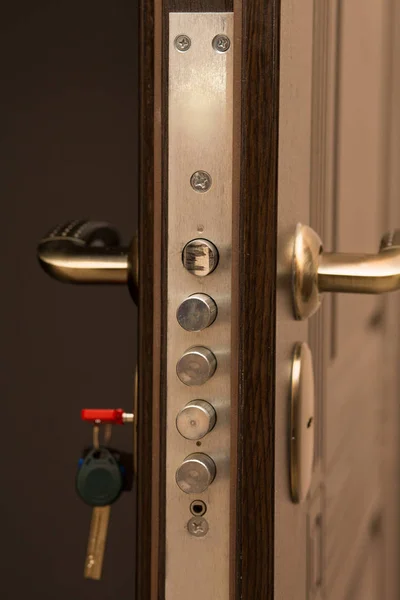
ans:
(302, 422)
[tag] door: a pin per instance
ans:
(255, 117)
(338, 137)
(315, 141)
(209, 101)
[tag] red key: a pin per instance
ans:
(112, 416)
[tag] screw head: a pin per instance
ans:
(198, 527)
(183, 43)
(221, 43)
(201, 181)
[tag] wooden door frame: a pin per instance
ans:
(254, 281)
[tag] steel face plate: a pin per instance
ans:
(200, 134)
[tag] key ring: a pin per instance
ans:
(96, 434)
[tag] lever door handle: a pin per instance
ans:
(89, 252)
(315, 271)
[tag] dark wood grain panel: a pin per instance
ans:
(257, 277)
(146, 296)
(198, 5)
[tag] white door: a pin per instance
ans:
(338, 173)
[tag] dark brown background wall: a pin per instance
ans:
(68, 149)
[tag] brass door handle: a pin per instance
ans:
(315, 271)
(89, 252)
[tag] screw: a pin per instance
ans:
(221, 43)
(201, 181)
(183, 43)
(198, 527)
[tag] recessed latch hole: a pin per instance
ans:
(198, 508)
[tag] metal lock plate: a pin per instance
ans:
(200, 137)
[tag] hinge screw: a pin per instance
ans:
(201, 181)
(198, 527)
(221, 43)
(183, 43)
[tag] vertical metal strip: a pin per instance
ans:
(200, 136)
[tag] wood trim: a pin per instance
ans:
(257, 298)
(198, 6)
(235, 306)
(160, 308)
(149, 339)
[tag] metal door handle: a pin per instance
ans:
(315, 271)
(89, 252)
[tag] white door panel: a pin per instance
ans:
(336, 143)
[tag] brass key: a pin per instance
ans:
(99, 524)
(97, 542)
(99, 484)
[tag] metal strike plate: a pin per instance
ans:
(200, 137)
